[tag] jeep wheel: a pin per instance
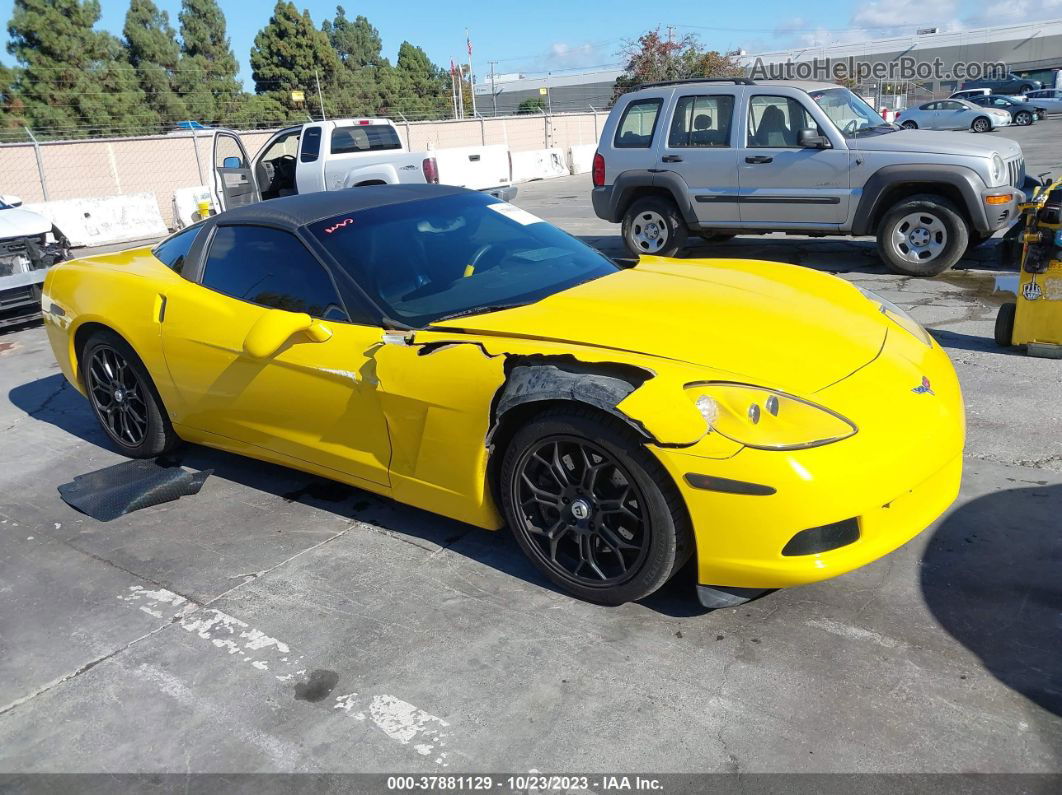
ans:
(654, 226)
(1023, 118)
(909, 125)
(981, 125)
(922, 235)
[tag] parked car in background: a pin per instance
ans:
(970, 92)
(953, 114)
(29, 245)
(1050, 99)
(1011, 84)
(346, 153)
(1021, 113)
(717, 158)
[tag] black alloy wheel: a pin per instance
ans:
(584, 512)
(118, 396)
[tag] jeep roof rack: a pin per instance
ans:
(740, 81)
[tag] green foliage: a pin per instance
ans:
(423, 88)
(153, 52)
(12, 109)
(653, 58)
(206, 73)
(290, 54)
(366, 84)
(532, 105)
(74, 80)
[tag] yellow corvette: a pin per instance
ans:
(458, 354)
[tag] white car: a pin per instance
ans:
(29, 245)
(953, 114)
(1050, 99)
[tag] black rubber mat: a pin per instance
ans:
(123, 488)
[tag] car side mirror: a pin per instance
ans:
(11, 200)
(232, 162)
(273, 330)
(809, 138)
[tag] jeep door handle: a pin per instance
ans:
(672, 158)
(759, 159)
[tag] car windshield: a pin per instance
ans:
(850, 113)
(461, 254)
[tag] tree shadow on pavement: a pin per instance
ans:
(52, 400)
(992, 576)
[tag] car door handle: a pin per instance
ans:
(759, 159)
(672, 158)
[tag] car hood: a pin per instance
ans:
(961, 144)
(766, 323)
(16, 222)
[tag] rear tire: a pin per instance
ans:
(653, 226)
(123, 397)
(909, 125)
(588, 480)
(1004, 330)
(922, 235)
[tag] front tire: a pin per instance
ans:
(594, 511)
(123, 397)
(1023, 118)
(653, 226)
(922, 235)
(981, 124)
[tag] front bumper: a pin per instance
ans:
(892, 479)
(998, 216)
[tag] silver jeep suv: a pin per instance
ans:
(722, 157)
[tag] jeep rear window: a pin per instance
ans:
(638, 124)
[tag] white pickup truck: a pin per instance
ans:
(346, 153)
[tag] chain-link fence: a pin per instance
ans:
(37, 171)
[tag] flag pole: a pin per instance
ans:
(471, 79)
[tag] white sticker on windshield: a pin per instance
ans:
(511, 211)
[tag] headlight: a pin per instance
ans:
(999, 169)
(767, 419)
(899, 316)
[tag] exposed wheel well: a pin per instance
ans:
(634, 194)
(81, 336)
(898, 193)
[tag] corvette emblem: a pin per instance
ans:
(923, 388)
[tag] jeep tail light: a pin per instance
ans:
(598, 170)
(431, 171)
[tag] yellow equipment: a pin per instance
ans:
(1035, 318)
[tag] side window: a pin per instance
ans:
(775, 121)
(272, 268)
(227, 153)
(928, 106)
(172, 251)
(311, 144)
(702, 121)
(638, 124)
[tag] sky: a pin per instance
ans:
(556, 35)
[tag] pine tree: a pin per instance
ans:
(74, 80)
(153, 52)
(290, 54)
(12, 109)
(367, 84)
(206, 74)
(422, 86)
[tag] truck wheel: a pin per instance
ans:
(1004, 332)
(922, 235)
(981, 124)
(654, 226)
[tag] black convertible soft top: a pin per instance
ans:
(292, 212)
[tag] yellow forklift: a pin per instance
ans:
(1035, 318)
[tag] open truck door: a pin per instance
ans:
(234, 181)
